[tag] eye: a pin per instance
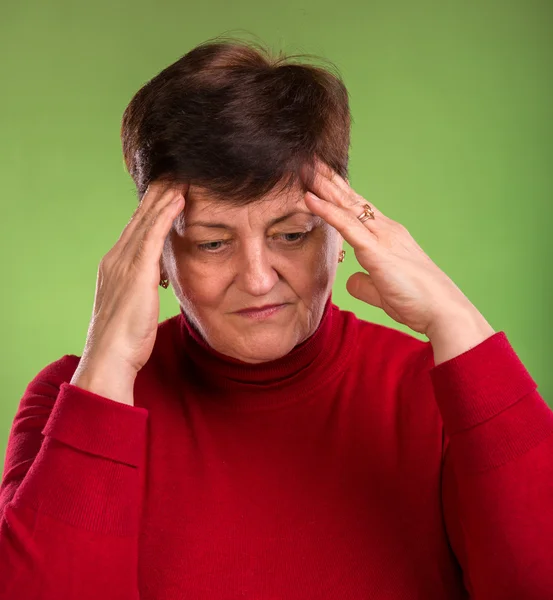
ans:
(301, 236)
(216, 246)
(210, 246)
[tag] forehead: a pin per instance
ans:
(202, 205)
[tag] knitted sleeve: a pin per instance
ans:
(497, 471)
(71, 493)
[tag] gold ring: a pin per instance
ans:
(367, 213)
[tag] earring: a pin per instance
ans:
(341, 256)
(164, 283)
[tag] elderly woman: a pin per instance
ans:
(263, 443)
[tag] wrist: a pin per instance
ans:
(456, 334)
(106, 380)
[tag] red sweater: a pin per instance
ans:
(350, 469)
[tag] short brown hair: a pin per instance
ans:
(231, 117)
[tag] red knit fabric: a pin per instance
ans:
(350, 469)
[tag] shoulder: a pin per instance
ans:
(166, 330)
(48, 380)
(167, 340)
(393, 367)
(41, 393)
(388, 349)
(379, 335)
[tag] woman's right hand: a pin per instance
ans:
(123, 328)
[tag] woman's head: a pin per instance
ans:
(242, 129)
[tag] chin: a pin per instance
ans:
(264, 349)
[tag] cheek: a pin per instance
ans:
(315, 272)
(201, 283)
(323, 262)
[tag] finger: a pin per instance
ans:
(329, 173)
(361, 286)
(157, 197)
(336, 190)
(352, 230)
(151, 246)
(167, 195)
(154, 191)
(162, 194)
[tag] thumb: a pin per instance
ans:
(361, 286)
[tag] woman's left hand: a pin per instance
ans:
(402, 280)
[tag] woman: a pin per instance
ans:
(263, 443)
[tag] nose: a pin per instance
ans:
(256, 274)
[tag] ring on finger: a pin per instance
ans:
(368, 213)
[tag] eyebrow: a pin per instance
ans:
(270, 224)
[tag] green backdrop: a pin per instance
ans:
(452, 136)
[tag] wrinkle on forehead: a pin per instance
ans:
(203, 206)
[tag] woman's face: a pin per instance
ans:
(222, 259)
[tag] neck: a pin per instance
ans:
(262, 383)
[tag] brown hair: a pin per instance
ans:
(232, 118)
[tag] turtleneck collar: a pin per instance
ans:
(278, 382)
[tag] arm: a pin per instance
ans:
(71, 493)
(497, 479)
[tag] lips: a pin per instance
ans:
(264, 314)
(259, 309)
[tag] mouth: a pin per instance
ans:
(263, 312)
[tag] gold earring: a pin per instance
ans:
(341, 256)
(164, 283)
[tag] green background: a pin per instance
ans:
(452, 136)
